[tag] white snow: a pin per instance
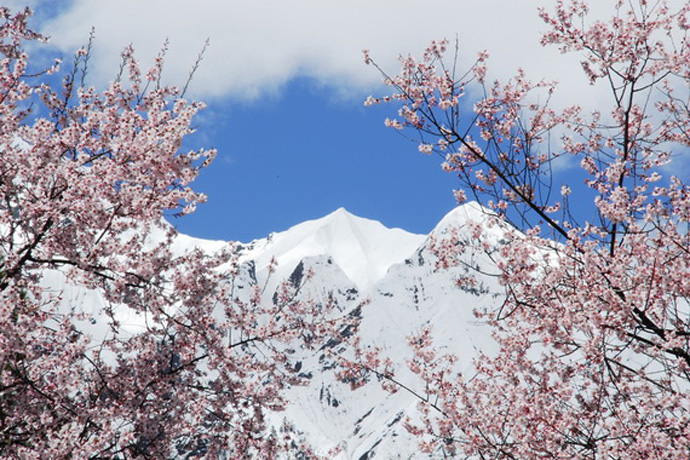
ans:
(364, 249)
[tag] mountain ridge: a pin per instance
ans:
(390, 278)
(410, 294)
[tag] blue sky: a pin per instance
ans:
(303, 155)
(285, 83)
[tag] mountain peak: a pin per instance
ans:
(340, 211)
(340, 215)
(363, 248)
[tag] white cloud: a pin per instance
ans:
(259, 45)
(256, 46)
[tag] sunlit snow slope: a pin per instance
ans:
(363, 249)
(354, 260)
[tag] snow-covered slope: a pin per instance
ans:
(393, 273)
(354, 260)
(363, 249)
(368, 423)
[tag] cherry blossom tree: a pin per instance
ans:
(594, 333)
(85, 179)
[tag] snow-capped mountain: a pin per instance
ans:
(353, 260)
(363, 249)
